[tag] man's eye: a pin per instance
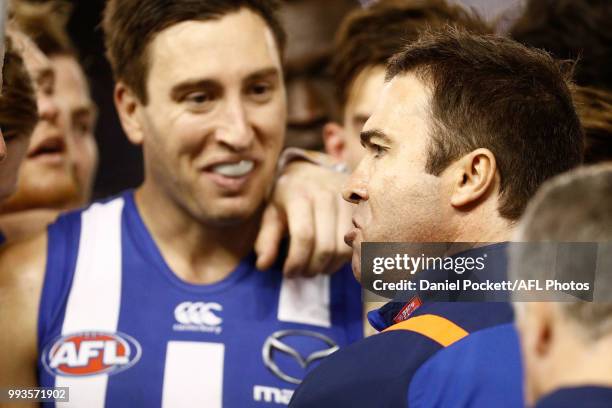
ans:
(198, 97)
(378, 150)
(82, 128)
(260, 91)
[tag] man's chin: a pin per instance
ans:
(58, 195)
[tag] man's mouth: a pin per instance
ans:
(52, 148)
(231, 175)
(234, 170)
(351, 235)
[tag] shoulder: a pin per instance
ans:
(392, 360)
(385, 361)
(481, 370)
(22, 263)
(22, 267)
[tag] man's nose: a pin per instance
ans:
(236, 131)
(355, 189)
(48, 108)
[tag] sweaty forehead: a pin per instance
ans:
(214, 48)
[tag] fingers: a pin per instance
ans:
(325, 221)
(267, 243)
(344, 222)
(300, 221)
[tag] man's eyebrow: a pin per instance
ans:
(374, 133)
(263, 73)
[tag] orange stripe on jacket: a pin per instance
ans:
(437, 328)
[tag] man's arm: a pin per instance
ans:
(22, 267)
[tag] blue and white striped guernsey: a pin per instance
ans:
(119, 328)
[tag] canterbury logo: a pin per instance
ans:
(198, 313)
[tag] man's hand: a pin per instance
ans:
(307, 203)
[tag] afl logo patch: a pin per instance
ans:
(90, 353)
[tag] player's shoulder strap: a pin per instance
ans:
(77, 241)
(437, 328)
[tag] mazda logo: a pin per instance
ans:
(275, 344)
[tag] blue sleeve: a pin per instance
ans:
(481, 370)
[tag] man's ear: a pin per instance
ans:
(544, 327)
(474, 177)
(128, 108)
(333, 138)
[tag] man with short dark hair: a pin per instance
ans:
(466, 129)
(152, 298)
(364, 43)
(567, 345)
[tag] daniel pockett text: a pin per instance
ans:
(477, 271)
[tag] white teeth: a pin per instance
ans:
(234, 170)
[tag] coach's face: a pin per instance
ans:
(214, 123)
(396, 199)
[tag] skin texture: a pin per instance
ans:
(46, 177)
(342, 140)
(79, 114)
(558, 353)
(311, 25)
(397, 200)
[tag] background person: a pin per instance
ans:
(18, 117)
(35, 205)
(567, 346)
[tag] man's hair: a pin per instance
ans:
(571, 208)
(372, 35)
(18, 108)
(45, 23)
(130, 26)
(594, 108)
(491, 92)
(571, 29)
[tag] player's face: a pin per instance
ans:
(79, 114)
(397, 200)
(46, 178)
(214, 124)
(362, 98)
(311, 25)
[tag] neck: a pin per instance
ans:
(483, 226)
(22, 224)
(196, 252)
(580, 363)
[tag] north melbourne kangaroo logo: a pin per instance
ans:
(198, 316)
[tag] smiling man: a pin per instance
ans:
(450, 159)
(152, 298)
